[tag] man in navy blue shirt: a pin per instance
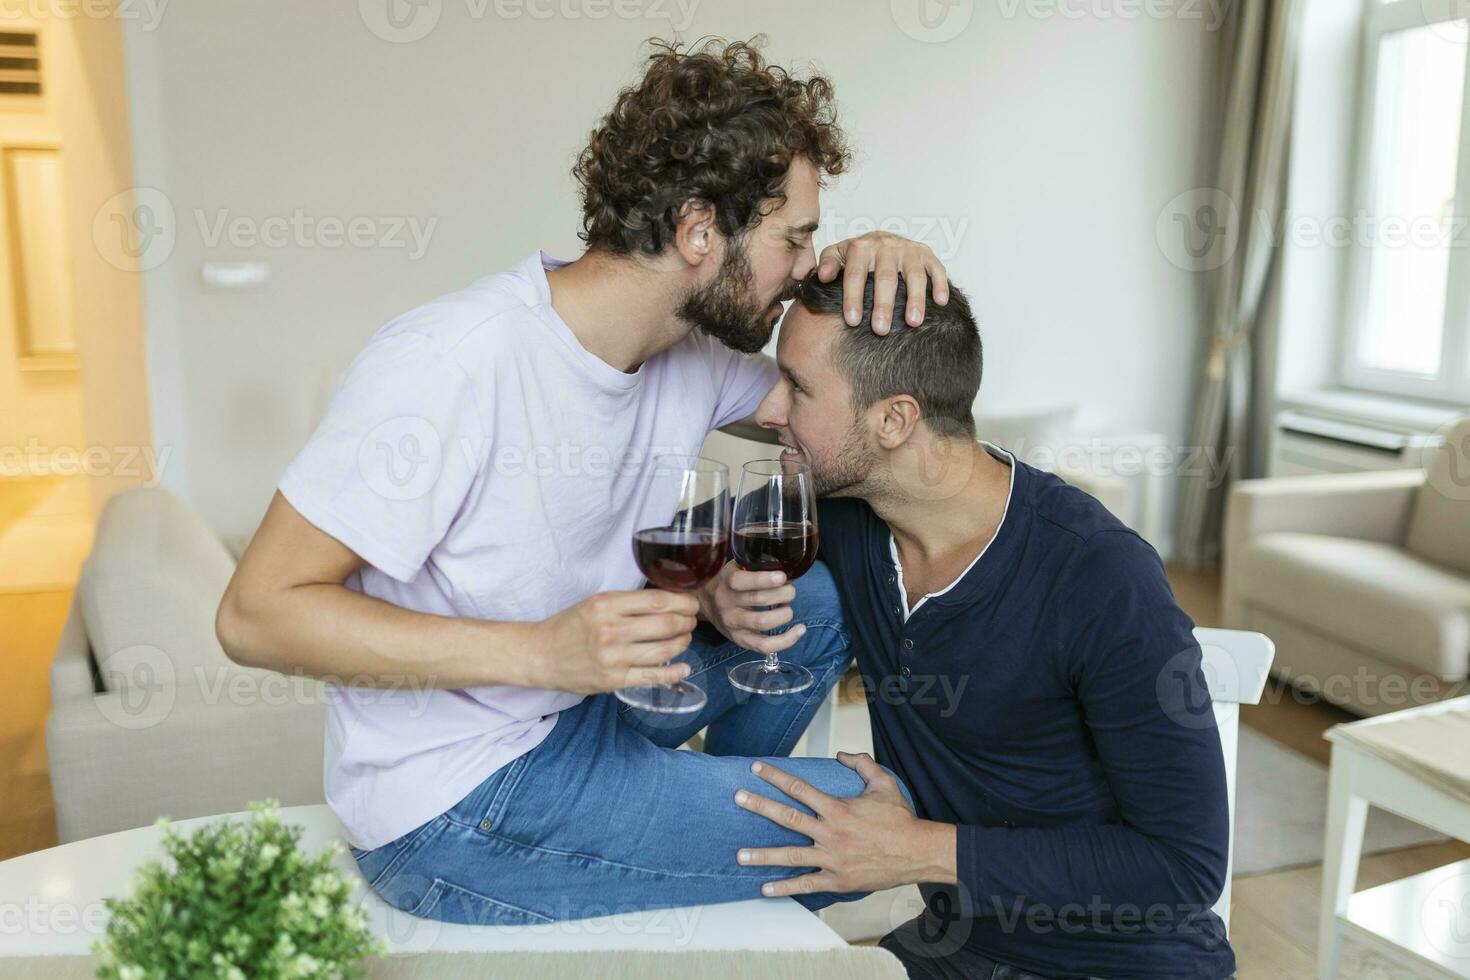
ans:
(1030, 678)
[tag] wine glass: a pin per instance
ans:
(680, 541)
(775, 530)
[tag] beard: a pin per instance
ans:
(727, 310)
(850, 470)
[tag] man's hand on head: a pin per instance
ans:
(886, 255)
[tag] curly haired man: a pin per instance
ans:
(451, 546)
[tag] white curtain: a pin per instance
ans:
(1259, 47)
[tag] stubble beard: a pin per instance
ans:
(726, 309)
(853, 469)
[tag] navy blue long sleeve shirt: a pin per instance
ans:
(1051, 705)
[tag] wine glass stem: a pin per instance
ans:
(773, 660)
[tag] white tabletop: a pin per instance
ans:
(51, 904)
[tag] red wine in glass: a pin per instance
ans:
(775, 524)
(776, 546)
(679, 560)
(680, 542)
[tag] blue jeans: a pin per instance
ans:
(606, 815)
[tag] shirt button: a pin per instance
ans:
(897, 611)
(904, 671)
(908, 644)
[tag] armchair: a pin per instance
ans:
(1363, 579)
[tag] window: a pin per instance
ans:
(1408, 322)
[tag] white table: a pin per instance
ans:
(51, 905)
(1420, 923)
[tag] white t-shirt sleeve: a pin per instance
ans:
(393, 461)
(746, 379)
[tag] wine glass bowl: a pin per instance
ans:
(775, 530)
(681, 538)
(677, 560)
(781, 546)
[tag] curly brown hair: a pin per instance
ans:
(711, 122)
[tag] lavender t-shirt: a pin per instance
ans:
(484, 464)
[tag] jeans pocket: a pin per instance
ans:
(448, 902)
(484, 808)
(484, 805)
(379, 866)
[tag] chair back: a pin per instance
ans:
(1236, 664)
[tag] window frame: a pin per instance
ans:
(1380, 19)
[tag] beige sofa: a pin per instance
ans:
(1363, 580)
(148, 716)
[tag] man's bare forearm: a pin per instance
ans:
(288, 608)
(332, 632)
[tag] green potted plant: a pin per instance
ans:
(237, 900)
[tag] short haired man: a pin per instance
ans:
(1031, 679)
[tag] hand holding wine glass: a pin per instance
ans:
(749, 609)
(680, 539)
(613, 639)
(775, 530)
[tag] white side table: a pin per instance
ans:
(1422, 922)
(51, 905)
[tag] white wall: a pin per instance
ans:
(1047, 143)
